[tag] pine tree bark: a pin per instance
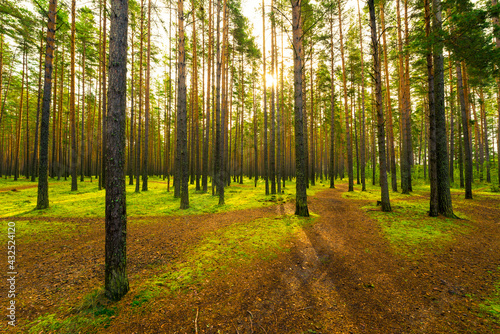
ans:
(301, 170)
(442, 168)
(265, 153)
(116, 281)
(332, 108)
(466, 140)
(182, 110)
(204, 176)
(390, 146)
(363, 129)
(346, 107)
(434, 196)
(43, 182)
(386, 205)
(145, 163)
(38, 105)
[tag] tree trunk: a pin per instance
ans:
(43, 183)
(390, 148)
(434, 197)
(363, 130)
(116, 281)
(265, 153)
(346, 108)
(301, 170)
(37, 124)
(332, 108)
(182, 111)
(386, 205)
(466, 140)
(145, 163)
(442, 169)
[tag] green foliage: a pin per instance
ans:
(93, 312)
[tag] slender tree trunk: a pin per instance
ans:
(346, 108)
(363, 129)
(452, 123)
(390, 148)
(265, 153)
(145, 166)
(332, 108)
(386, 205)
(204, 177)
(485, 135)
(37, 125)
(102, 177)
(182, 111)
(19, 125)
(82, 139)
(131, 156)
(138, 145)
(466, 140)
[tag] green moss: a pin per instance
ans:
(88, 201)
(224, 250)
(491, 306)
(93, 312)
(412, 232)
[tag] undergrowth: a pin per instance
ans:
(88, 201)
(94, 311)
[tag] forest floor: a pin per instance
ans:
(349, 268)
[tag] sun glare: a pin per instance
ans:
(270, 81)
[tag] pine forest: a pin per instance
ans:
(238, 166)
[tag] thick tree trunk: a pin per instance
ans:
(43, 183)
(386, 205)
(116, 281)
(434, 198)
(301, 170)
(442, 170)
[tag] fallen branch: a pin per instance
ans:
(196, 321)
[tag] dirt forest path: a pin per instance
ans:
(341, 275)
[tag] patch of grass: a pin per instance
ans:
(28, 231)
(372, 192)
(412, 232)
(95, 311)
(88, 201)
(491, 306)
(226, 249)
